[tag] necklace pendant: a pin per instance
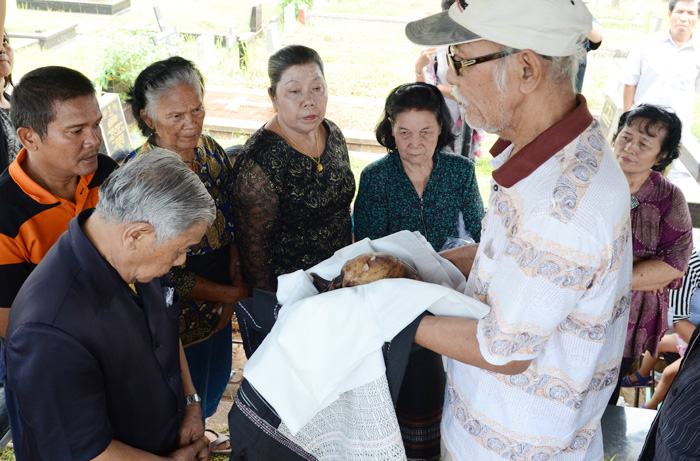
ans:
(319, 167)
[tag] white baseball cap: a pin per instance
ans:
(548, 27)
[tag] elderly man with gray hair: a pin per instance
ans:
(532, 378)
(95, 366)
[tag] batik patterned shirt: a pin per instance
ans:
(554, 264)
(210, 163)
(661, 230)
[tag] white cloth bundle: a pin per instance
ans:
(323, 345)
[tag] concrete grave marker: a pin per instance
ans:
(256, 18)
(115, 131)
(303, 17)
(205, 49)
(290, 19)
(272, 37)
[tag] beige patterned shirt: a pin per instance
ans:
(554, 264)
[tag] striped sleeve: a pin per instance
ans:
(679, 300)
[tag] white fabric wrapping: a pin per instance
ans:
(325, 344)
(359, 426)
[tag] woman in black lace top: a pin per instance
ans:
(292, 183)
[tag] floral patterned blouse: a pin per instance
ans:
(661, 229)
(212, 165)
(387, 202)
(288, 215)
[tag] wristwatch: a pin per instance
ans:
(190, 399)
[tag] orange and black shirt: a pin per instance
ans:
(32, 219)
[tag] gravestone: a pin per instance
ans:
(115, 132)
(230, 39)
(205, 49)
(609, 116)
(166, 33)
(256, 18)
(290, 19)
(303, 16)
(272, 37)
(612, 107)
(655, 23)
(162, 23)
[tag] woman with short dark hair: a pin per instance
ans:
(647, 141)
(419, 187)
(292, 183)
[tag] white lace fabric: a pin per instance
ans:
(360, 425)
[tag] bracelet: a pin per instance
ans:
(193, 398)
(420, 74)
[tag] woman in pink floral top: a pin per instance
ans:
(646, 143)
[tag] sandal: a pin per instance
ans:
(220, 439)
(642, 381)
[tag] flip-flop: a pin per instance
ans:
(642, 381)
(220, 438)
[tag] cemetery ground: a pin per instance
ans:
(365, 55)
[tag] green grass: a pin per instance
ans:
(358, 163)
(483, 178)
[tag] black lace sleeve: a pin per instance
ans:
(288, 215)
(256, 220)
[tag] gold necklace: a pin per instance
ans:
(319, 167)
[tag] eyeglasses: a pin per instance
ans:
(457, 65)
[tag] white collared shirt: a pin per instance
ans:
(554, 264)
(664, 74)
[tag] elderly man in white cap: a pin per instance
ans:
(531, 379)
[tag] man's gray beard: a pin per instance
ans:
(503, 115)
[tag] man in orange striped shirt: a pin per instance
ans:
(54, 177)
